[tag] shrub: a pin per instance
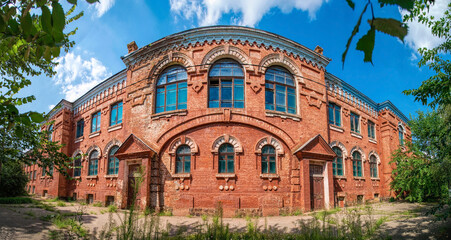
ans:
(15, 200)
(13, 180)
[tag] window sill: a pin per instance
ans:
(270, 113)
(356, 135)
(115, 127)
(168, 114)
(336, 128)
(111, 176)
(78, 177)
(340, 177)
(375, 179)
(269, 176)
(91, 177)
(94, 134)
(79, 139)
(359, 178)
(226, 176)
(371, 140)
(181, 175)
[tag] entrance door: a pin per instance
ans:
(316, 187)
(132, 169)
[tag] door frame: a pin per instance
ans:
(325, 176)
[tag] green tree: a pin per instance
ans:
(32, 34)
(14, 181)
(423, 166)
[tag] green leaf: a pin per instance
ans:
(351, 4)
(58, 17)
(36, 117)
(40, 3)
(92, 1)
(46, 19)
(390, 26)
(354, 32)
(13, 26)
(366, 45)
(74, 2)
(406, 4)
(48, 54)
(56, 51)
(26, 23)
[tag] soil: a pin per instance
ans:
(400, 221)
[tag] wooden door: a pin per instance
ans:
(316, 187)
(132, 169)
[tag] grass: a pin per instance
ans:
(112, 208)
(322, 214)
(97, 204)
(165, 213)
(15, 200)
(70, 224)
(61, 204)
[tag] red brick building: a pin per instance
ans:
(225, 114)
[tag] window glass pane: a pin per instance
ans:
(179, 165)
(331, 115)
(238, 104)
(160, 97)
(280, 79)
(98, 121)
(113, 116)
(337, 116)
(119, 113)
(280, 95)
(214, 72)
(291, 100)
(238, 72)
(226, 91)
(182, 75)
(213, 104)
(230, 164)
(269, 97)
(221, 165)
(238, 92)
(264, 165)
(181, 95)
(93, 124)
(272, 167)
(187, 164)
(172, 78)
(226, 72)
(214, 93)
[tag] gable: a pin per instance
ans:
(316, 148)
(134, 147)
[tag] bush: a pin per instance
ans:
(13, 180)
(15, 200)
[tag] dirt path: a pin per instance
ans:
(398, 221)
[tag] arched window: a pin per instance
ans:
(401, 135)
(50, 130)
(356, 164)
(226, 158)
(183, 159)
(113, 162)
(171, 89)
(337, 164)
(280, 90)
(268, 159)
(93, 163)
(373, 166)
(77, 166)
(226, 85)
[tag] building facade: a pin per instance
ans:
(225, 114)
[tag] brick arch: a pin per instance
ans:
(183, 140)
(92, 148)
(76, 152)
(226, 139)
(358, 149)
(278, 59)
(216, 118)
(172, 58)
(227, 51)
(341, 146)
(269, 141)
(110, 144)
(373, 152)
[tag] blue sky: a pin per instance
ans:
(108, 26)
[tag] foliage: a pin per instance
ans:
(437, 89)
(32, 34)
(423, 171)
(15, 200)
(14, 181)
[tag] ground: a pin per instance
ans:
(393, 220)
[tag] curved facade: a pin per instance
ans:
(226, 114)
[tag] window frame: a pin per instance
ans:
(355, 120)
(98, 117)
(165, 92)
(335, 163)
(334, 107)
(50, 130)
(226, 160)
(186, 157)
(80, 128)
(373, 167)
(77, 169)
(401, 135)
(91, 164)
(115, 108)
(268, 160)
(220, 79)
(274, 84)
(115, 160)
(371, 130)
(357, 165)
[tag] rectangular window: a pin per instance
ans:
(269, 96)
(357, 168)
(371, 130)
(43, 171)
(93, 166)
(228, 93)
(334, 114)
(116, 114)
(355, 123)
(95, 122)
(80, 128)
(34, 175)
(182, 95)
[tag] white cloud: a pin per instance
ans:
(76, 75)
(103, 6)
(246, 12)
(420, 35)
(51, 106)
